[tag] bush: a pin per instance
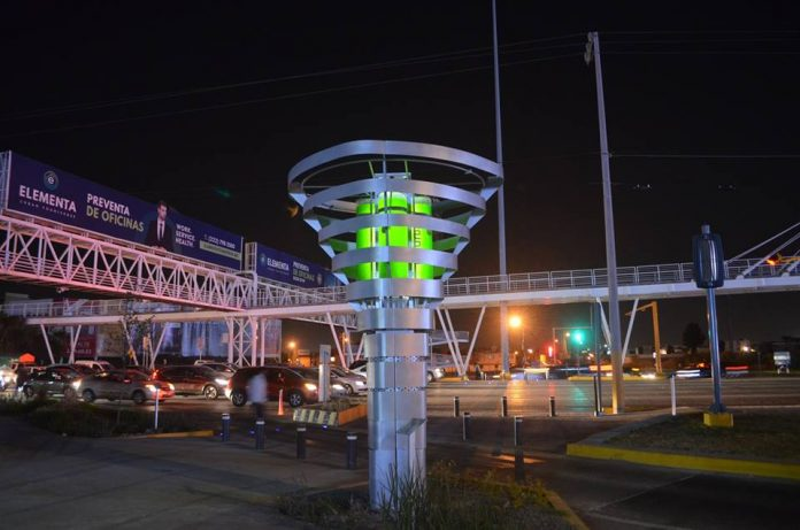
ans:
(19, 407)
(83, 419)
(448, 499)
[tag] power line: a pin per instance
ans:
(295, 95)
(707, 155)
(467, 53)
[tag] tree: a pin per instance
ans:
(693, 336)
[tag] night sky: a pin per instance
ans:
(207, 105)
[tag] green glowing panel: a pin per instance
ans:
(365, 238)
(394, 236)
(422, 238)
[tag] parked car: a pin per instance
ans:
(433, 374)
(7, 377)
(123, 384)
(199, 380)
(54, 380)
(299, 387)
(97, 366)
(223, 369)
(353, 383)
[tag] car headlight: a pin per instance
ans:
(338, 387)
(171, 386)
(76, 384)
(221, 381)
(311, 387)
(151, 388)
(360, 383)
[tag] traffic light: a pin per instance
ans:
(550, 351)
(579, 337)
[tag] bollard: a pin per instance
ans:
(280, 402)
(552, 407)
(259, 435)
(598, 404)
(352, 450)
(155, 421)
(674, 396)
(519, 465)
(517, 431)
(456, 407)
(465, 431)
(301, 442)
(226, 427)
(503, 407)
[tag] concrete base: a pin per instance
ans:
(718, 419)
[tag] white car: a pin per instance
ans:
(97, 366)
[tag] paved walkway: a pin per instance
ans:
(48, 481)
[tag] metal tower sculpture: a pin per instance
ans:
(393, 216)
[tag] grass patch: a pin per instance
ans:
(448, 499)
(755, 435)
(83, 419)
(21, 407)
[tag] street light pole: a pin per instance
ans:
(501, 203)
(617, 393)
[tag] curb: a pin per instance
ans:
(732, 466)
(562, 506)
(185, 434)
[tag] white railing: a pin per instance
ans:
(588, 278)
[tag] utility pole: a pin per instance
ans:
(501, 203)
(617, 392)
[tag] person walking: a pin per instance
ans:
(257, 393)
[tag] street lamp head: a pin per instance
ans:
(292, 344)
(515, 321)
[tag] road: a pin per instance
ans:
(573, 398)
(607, 495)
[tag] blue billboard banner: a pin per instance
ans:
(43, 191)
(282, 267)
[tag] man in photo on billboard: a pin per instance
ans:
(159, 234)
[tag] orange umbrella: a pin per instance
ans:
(27, 358)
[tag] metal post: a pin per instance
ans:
(301, 442)
(504, 407)
(519, 456)
(456, 407)
(617, 395)
(598, 362)
(465, 427)
(226, 427)
(155, 422)
(673, 395)
(324, 372)
(352, 450)
(259, 435)
(598, 407)
(552, 410)
(501, 203)
(713, 338)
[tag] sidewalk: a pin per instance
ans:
(53, 482)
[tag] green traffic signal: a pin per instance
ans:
(579, 337)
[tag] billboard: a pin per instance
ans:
(282, 267)
(40, 190)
